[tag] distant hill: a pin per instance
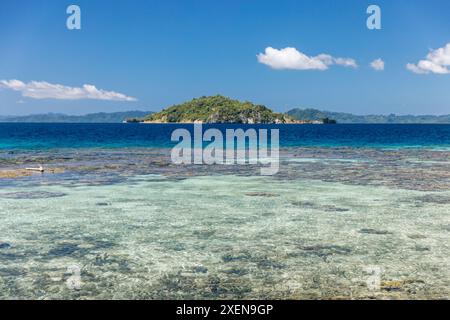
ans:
(314, 115)
(101, 117)
(217, 109)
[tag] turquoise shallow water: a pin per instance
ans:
(360, 212)
(250, 238)
(137, 227)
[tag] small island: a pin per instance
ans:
(216, 109)
(220, 109)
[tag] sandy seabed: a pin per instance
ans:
(335, 223)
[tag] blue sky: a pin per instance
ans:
(164, 52)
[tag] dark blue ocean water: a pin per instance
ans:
(48, 136)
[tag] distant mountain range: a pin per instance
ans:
(340, 117)
(101, 117)
(226, 110)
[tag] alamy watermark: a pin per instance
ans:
(73, 22)
(373, 279)
(239, 146)
(74, 280)
(374, 20)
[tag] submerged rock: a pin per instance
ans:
(101, 259)
(374, 231)
(330, 208)
(262, 194)
(175, 246)
(236, 271)
(326, 250)
(102, 204)
(64, 249)
(4, 245)
(32, 195)
(11, 255)
(204, 234)
(434, 198)
(200, 269)
(416, 236)
(305, 204)
(422, 248)
(229, 257)
(312, 205)
(265, 263)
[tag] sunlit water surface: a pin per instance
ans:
(349, 220)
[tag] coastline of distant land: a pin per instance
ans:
(342, 117)
(220, 109)
(100, 117)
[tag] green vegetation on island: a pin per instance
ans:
(217, 109)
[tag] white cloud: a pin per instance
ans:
(377, 65)
(291, 58)
(437, 61)
(346, 62)
(45, 90)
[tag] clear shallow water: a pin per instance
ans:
(140, 227)
(224, 237)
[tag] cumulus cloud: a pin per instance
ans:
(45, 90)
(291, 58)
(377, 65)
(346, 62)
(437, 61)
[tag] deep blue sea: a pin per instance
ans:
(48, 136)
